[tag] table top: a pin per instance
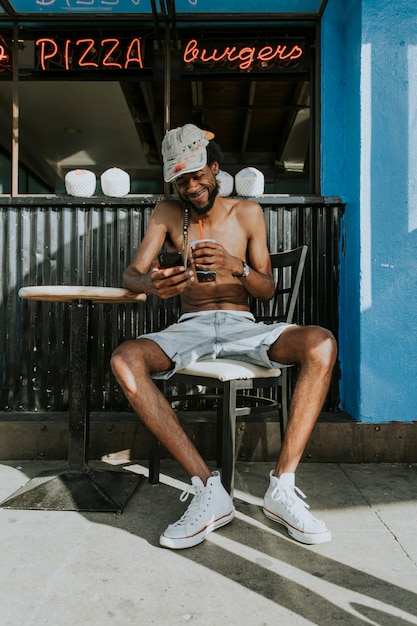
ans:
(67, 293)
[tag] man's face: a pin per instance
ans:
(199, 188)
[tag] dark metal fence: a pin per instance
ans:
(65, 241)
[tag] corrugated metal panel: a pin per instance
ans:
(91, 245)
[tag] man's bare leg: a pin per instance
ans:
(133, 363)
(212, 507)
(314, 349)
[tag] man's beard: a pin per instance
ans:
(206, 208)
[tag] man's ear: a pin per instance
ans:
(215, 167)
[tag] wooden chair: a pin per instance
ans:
(237, 383)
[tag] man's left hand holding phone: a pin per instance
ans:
(173, 281)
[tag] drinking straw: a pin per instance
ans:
(200, 225)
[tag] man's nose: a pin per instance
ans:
(192, 184)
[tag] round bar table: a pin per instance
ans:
(78, 487)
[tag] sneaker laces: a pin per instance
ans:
(193, 508)
(288, 497)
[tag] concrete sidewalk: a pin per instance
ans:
(69, 568)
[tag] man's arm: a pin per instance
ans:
(260, 285)
(143, 274)
(259, 282)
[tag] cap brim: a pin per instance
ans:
(173, 169)
(209, 135)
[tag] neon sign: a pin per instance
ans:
(5, 60)
(88, 53)
(289, 55)
(4, 57)
(58, 56)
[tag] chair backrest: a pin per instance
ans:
(288, 268)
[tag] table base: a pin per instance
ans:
(72, 490)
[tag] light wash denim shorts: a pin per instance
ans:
(217, 335)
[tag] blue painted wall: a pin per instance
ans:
(369, 156)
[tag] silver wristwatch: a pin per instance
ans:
(245, 272)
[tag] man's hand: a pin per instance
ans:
(164, 283)
(170, 281)
(213, 256)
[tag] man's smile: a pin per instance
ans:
(197, 194)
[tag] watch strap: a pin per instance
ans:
(245, 272)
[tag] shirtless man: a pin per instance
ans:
(216, 321)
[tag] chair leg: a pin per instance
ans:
(283, 418)
(155, 447)
(154, 461)
(219, 433)
(228, 436)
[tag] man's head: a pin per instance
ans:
(192, 161)
(187, 149)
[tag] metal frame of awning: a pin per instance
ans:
(166, 7)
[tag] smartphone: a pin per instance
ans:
(170, 259)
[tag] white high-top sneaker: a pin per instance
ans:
(282, 504)
(210, 508)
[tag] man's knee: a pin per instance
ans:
(321, 346)
(122, 354)
(125, 362)
(139, 357)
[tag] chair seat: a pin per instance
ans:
(228, 369)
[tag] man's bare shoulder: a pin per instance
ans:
(169, 206)
(242, 204)
(245, 210)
